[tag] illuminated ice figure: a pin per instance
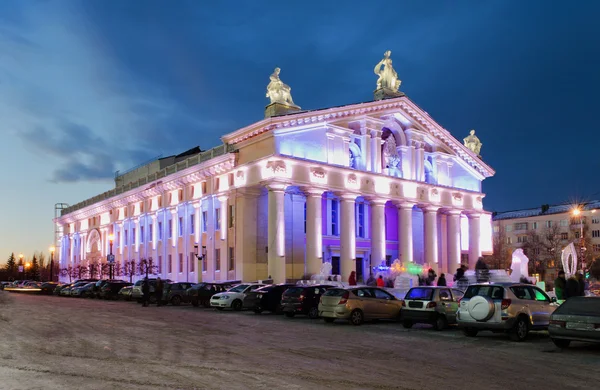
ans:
(569, 260)
(325, 269)
(519, 265)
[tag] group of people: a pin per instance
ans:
(371, 281)
(158, 292)
(568, 288)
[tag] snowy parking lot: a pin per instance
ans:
(48, 342)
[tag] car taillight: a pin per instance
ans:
(505, 304)
(344, 298)
(301, 297)
(431, 304)
(562, 324)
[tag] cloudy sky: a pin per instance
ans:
(93, 86)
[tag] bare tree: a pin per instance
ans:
(500, 259)
(68, 271)
(147, 267)
(130, 269)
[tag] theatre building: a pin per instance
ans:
(356, 185)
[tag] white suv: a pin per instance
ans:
(513, 308)
(233, 297)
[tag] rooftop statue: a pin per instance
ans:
(278, 91)
(388, 78)
(473, 143)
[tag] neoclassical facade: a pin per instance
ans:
(356, 186)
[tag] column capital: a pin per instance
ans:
(453, 212)
(473, 215)
(346, 196)
(375, 133)
(223, 197)
(310, 192)
(430, 208)
(376, 201)
(404, 205)
(275, 186)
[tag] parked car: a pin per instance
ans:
(357, 304)
(111, 289)
(436, 306)
(175, 293)
(577, 319)
(513, 308)
(234, 297)
(125, 293)
(84, 291)
(201, 293)
(66, 292)
(48, 288)
(95, 293)
(136, 292)
(302, 300)
(267, 298)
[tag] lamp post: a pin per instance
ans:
(582, 249)
(111, 258)
(27, 265)
(52, 249)
(21, 265)
(200, 257)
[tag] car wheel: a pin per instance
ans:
(236, 305)
(219, 308)
(440, 323)
(329, 320)
(313, 313)
(357, 317)
(206, 303)
(289, 314)
(176, 300)
(407, 324)
(520, 331)
(561, 343)
(195, 302)
(470, 332)
(257, 310)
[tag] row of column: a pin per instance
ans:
(314, 234)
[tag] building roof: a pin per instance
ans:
(554, 209)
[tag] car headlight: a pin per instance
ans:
(224, 296)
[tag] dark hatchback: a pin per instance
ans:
(48, 288)
(110, 289)
(175, 293)
(302, 300)
(266, 298)
(200, 294)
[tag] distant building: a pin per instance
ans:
(544, 231)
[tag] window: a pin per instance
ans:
(564, 236)
(217, 219)
(118, 238)
(170, 264)
(204, 260)
(496, 229)
(192, 224)
(380, 294)
(180, 262)
(548, 224)
(595, 220)
(577, 235)
(231, 216)
(192, 261)
(150, 231)
(509, 240)
(231, 259)
(180, 226)
(159, 265)
(522, 292)
(134, 237)
(536, 251)
(539, 295)
(595, 233)
(595, 247)
(126, 237)
(141, 234)
(521, 226)
(334, 217)
(204, 221)
(445, 295)
(304, 217)
(564, 222)
(509, 228)
(160, 231)
(534, 225)
(218, 259)
(360, 223)
(522, 239)
(170, 228)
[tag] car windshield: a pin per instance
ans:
(265, 289)
(494, 292)
(335, 292)
(582, 306)
(294, 291)
(420, 294)
(239, 288)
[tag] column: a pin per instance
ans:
(224, 243)
(347, 236)
(431, 247)
(154, 233)
(314, 231)
(378, 252)
(405, 231)
(246, 231)
(135, 240)
(474, 247)
(453, 240)
(276, 244)
(376, 151)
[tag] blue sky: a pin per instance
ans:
(90, 87)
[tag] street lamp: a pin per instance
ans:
(200, 257)
(111, 258)
(52, 249)
(27, 265)
(577, 213)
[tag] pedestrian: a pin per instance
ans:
(371, 281)
(560, 283)
(581, 282)
(352, 279)
(158, 291)
(380, 281)
(431, 275)
(145, 292)
(442, 280)
(572, 288)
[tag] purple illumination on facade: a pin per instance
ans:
(391, 222)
